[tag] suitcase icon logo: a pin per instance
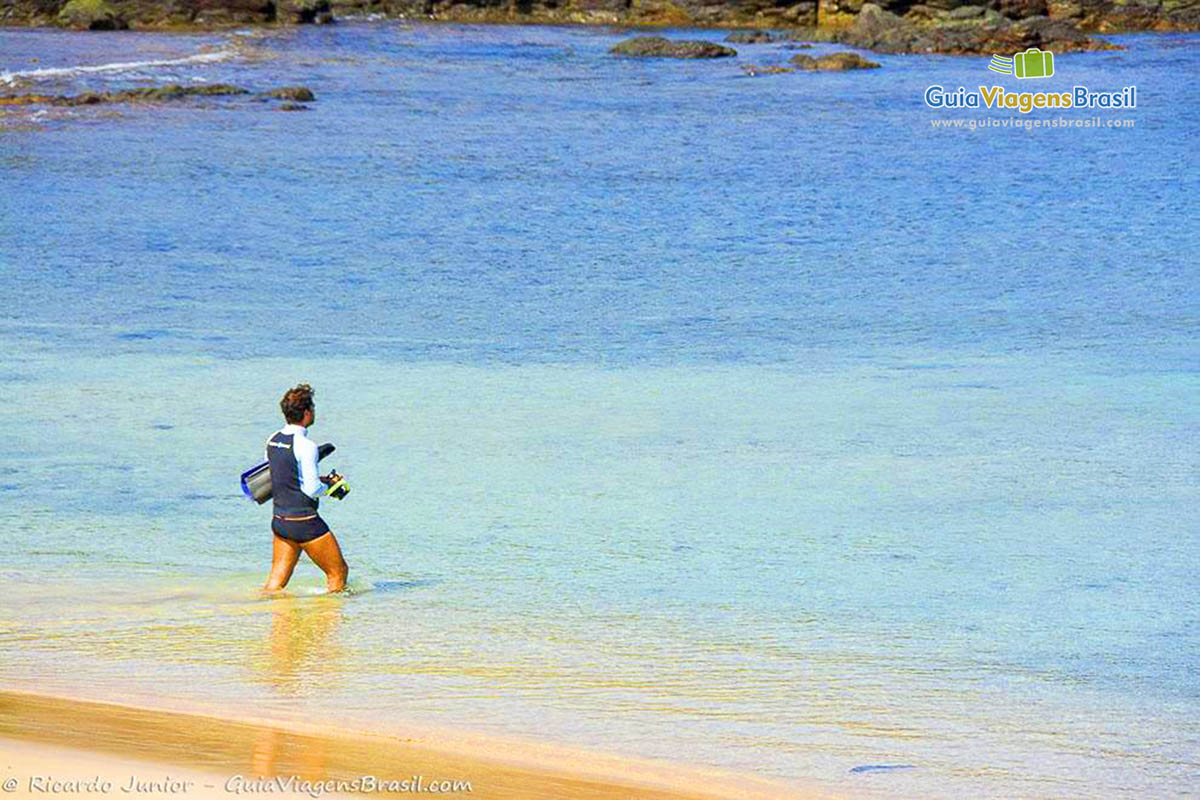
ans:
(1033, 63)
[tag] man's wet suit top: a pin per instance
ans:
(294, 482)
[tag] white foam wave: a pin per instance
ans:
(119, 66)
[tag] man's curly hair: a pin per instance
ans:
(295, 402)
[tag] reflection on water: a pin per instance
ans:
(301, 652)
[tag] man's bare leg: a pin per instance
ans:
(284, 555)
(326, 554)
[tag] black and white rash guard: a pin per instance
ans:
(294, 481)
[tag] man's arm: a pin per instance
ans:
(306, 456)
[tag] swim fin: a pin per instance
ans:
(256, 481)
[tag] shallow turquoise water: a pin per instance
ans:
(747, 422)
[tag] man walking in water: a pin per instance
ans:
(296, 486)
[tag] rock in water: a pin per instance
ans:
(172, 91)
(934, 25)
(834, 62)
(754, 70)
(144, 94)
(298, 94)
(91, 15)
(751, 37)
(876, 29)
(659, 47)
(306, 12)
(226, 12)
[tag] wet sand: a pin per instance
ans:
(177, 754)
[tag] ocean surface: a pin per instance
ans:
(742, 421)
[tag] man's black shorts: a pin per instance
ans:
(299, 529)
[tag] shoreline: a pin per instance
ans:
(823, 32)
(819, 33)
(873, 30)
(57, 734)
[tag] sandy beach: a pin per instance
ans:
(64, 746)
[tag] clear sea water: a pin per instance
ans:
(741, 421)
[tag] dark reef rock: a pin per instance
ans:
(751, 37)
(659, 47)
(882, 31)
(1086, 15)
(155, 94)
(91, 15)
(158, 94)
(162, 14)
(297, 94)
(754, 70)
(305, 12)
(833, 62)
(898, 26)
